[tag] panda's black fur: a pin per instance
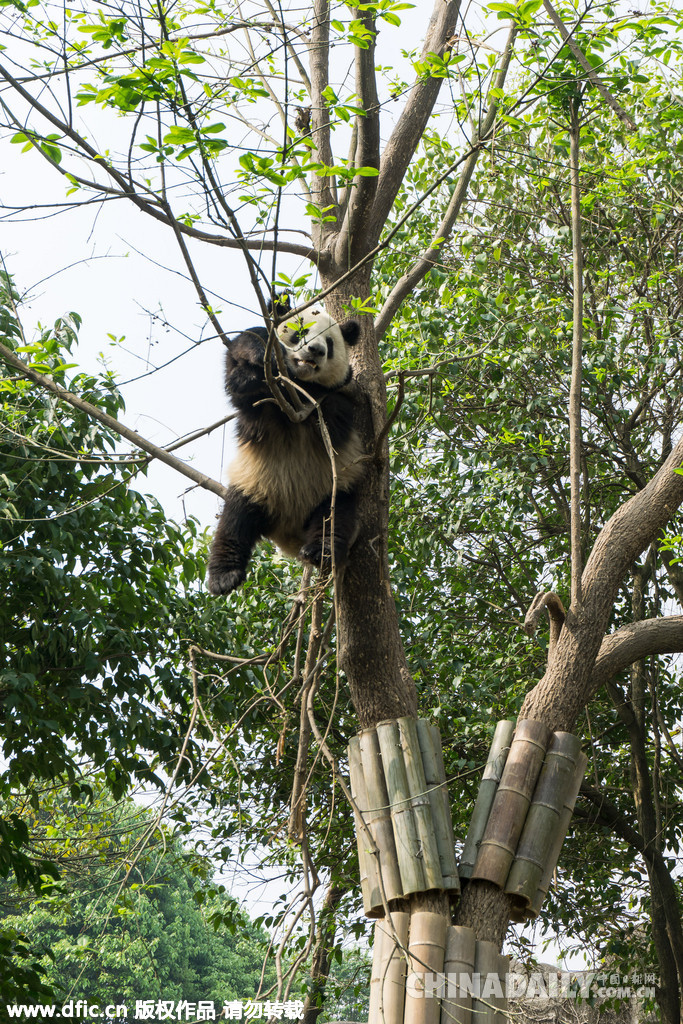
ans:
(281, 478)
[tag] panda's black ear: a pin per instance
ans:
(280, 304)
(350, 331)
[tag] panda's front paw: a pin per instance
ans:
(319, 554)
(316, 553)
(224, 582)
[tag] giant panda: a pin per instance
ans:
(281, 478)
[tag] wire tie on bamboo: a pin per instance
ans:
(426, 949)
(495, 763)
(533, 854)
(388, 979)
(511, 802)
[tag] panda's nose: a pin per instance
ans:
(316, 348)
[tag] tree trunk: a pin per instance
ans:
(370, 647)
(320, 963)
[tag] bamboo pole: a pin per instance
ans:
(420, 802)
(379, 817)
(367, 860)
(388, 980)
(426, 949)
(429, 739)
(378, 969)
(488, 1004)
(502, 1015)
(562, 827)
(542, 821)
(498, 754)
(402, 818)
(458, 969)
(511, 802)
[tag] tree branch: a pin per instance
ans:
(567, 685)
(593, 78)
(409, 129)
(352, 237)
(577, 358)
(430, 257)
(322, 189)
(130, 190)
(77, 402)
(635, 641)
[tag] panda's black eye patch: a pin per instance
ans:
(330, 346)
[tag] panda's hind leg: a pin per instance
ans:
(317, 546)
(240, 526)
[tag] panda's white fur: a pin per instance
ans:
(306, 342)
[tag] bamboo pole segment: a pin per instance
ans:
(429, 739)
(458, 969)
(503, 971)
(511, 802)
(378, 817)
(388, 980)
(378, 969)
(426, 948)
(562, 827)
(498, 754)
(421, 804)
(402, 818)
(542, 820)
(489, 1003)
(367, 860)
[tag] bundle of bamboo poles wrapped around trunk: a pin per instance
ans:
(522, 813)
(403, 819)
(424, 972)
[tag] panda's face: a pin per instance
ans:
(316, 347)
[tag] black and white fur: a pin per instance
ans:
(281, 477)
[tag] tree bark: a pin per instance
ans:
(370, 647)
(568, 683)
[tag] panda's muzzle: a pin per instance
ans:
(311, 354)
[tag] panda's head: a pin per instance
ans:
(316, 347)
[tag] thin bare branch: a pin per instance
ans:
(148, 202)
(431, 256)
(109, 421)
(577, 357)
(591, 74)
